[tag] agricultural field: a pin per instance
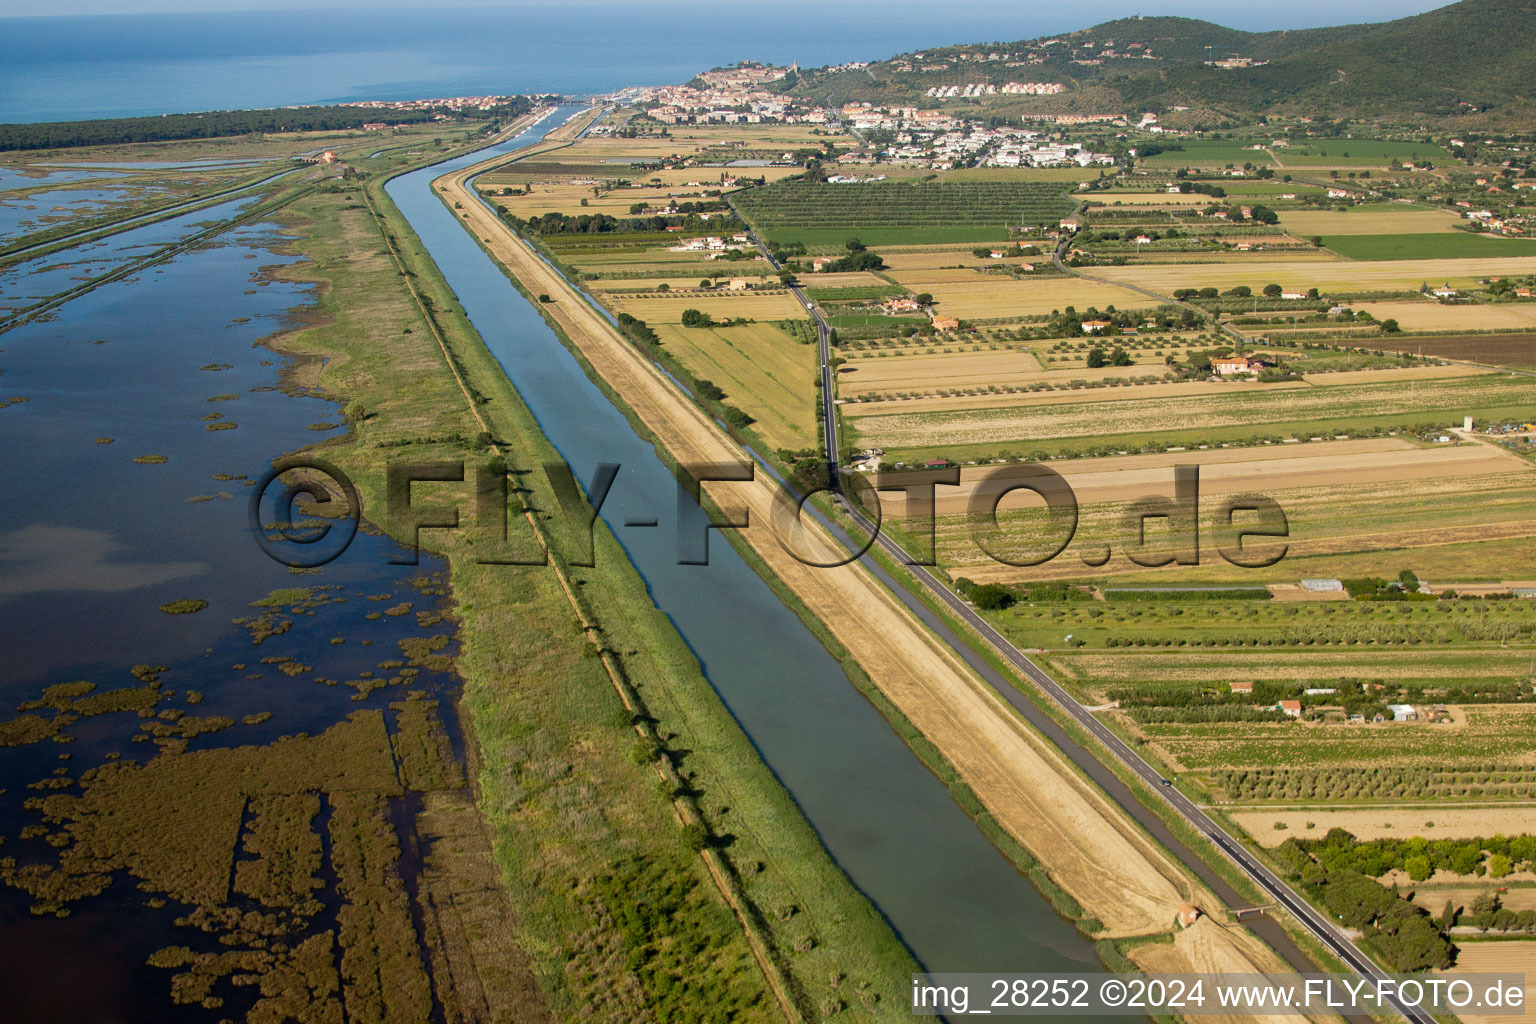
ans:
(1454, 521)
(1337, 276)
(1335, 752)
(901, 212)
(1514, 350)
(667, 308)
(944, 257)
(1215, 153)
(1510, 957)
(1435, 821)
(968, 293)
(1139, 199)
(1430, 315)
(1062, 175)
(1367, 219)
(1356, 153)
(1431, 246)
(1246, 409)
(762, 370)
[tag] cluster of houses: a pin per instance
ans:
(932, 138)
(1488, 221)
(715, 245)
(449, 102)
(977, 89)
(727, 96)
(1338, 713)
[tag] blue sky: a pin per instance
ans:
(1250, 15)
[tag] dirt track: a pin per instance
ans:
(1086, 842)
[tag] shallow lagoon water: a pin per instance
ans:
(39, 211)
(41, 174)
(97, 543)
(42, 276)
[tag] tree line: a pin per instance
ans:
(217, 123)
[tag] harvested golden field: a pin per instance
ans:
(1240, 259)
(1170, 389)
(1150, 198)
(763, 371)
(930, 259)
(1511, 957)
(967, 294)
(656, 308)
(1335, 275)
(1513, 897)
(1370, 462)
(1390, 374)
(1212, 947)
(848, 279)
(683, 284)
(1451, 527)
(1428, 315)
(1375, 221)
(1396, 822)
(1245, 404)
(944, 370)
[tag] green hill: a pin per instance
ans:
(1473, 57)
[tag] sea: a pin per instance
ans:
(109, 65)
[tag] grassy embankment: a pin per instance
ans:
(616, 911)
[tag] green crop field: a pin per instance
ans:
(1217, 153)
(899, 212)
(1428, 246)
(1358, 152)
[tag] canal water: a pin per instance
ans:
(891, 825)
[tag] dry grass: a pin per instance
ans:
(1367, 463)
(1500, 957)
(935, 258)
(1244, 404)
(1433, 900)
(969, 294)
(1171, 389)
(657, 309)
(762, 371)
(1335, 275)
(1212, 947)
(1432, 316)
(1150, 198)
(1389, 375)
(1407, 220)
(1369, 823)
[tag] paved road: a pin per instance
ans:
(1267, 881)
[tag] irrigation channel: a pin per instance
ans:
(956, 902)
